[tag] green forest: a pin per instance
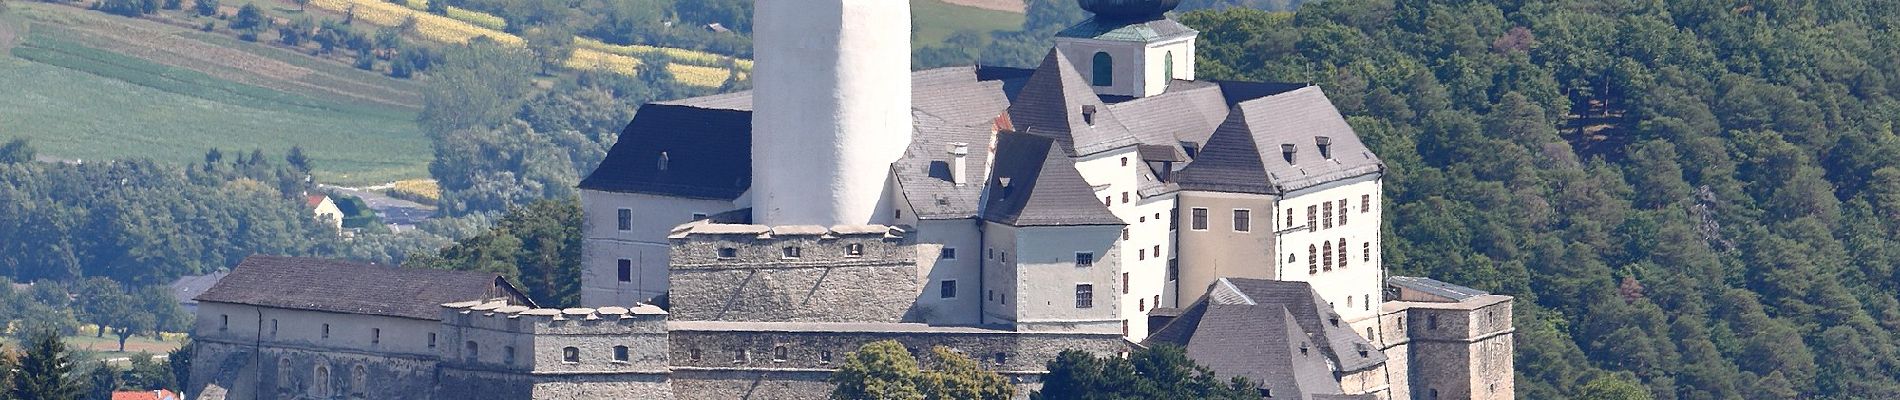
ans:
(1697, 194)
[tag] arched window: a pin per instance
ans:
(570, 354)
(1329, 256)
(283, 376)
(1312, 259)
(359, 381)
(1104, 69)
(1168, 65)
(1342, 253)
(321, 388)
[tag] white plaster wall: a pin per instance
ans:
(1360, 280)
(299, 328)
(832, 109)
(645, 245)
(999, 274)
(1130, 60)
(966, 270)
(1047, 277)
(1118, 172)
(1156, 79)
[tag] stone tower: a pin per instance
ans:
(832, 109)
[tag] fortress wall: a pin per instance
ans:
(823, 284)
(271, 371)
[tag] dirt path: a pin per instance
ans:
(1015, 6)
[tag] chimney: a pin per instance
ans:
(1088, 114)
(959, 163)
(1288, 151)
(1325, 147)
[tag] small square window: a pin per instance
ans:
(854, 250)
(1084, 259)
(1243, 220)
(948, 253)
(947, 289)
(620, 354)
(625, 218)
(824, 357)
(728, 252)
(790, 252)
(693, 355)
(780, 354)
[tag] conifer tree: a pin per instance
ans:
(45, 371)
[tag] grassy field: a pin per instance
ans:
(936, 20)
(81, 89)
(97, 348)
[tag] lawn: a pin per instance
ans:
(75, 101)
(106, 348)
(936, 20)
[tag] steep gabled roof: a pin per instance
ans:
(1245, 154)
(351, 288)
(708, 154)
(1053, 103)
(1313, 314)
(953, 107)
(1036, 184)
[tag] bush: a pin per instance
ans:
(205, 7)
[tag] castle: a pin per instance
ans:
(736, 244)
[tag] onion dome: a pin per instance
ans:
(1129, 9)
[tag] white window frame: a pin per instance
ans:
(1235, 220)
(1202, 223)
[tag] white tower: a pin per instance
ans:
(831, 109)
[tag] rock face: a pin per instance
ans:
(1129, 9)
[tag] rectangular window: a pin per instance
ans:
(1342, 253)
(947, 290)
(1365, 203)
(728, 252)
(1157, 251)
(1174, 270)
(1312, 259)
(1200, 219)
(626, 270)
(1084, 296)
(1141, 254)
(1289, 219)
(854, 250)
(1328, 220)
(1124, 283)
(1342, 212)
(1084, 259)
(375, 335)
(948, 253)
(1124, 197)
(326, 331)
(699, 216)
(1172, 225)
(1243, 220)
(1366, 251)
(432, 340)
(224, 322)
(1312, 218)
(791, 252)
(1141, 304)
(626, 220)
(273, 327)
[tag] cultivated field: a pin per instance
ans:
(937, 19)
(89, 86)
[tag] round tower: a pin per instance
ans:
(831, 109)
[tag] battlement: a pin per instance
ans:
(797, 273)
(503, 318)
(704, 245)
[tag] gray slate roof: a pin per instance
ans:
(1433, 287)
(186, 289)
(951, 106)
(708, 153)
(1257, 328)
(1112, 29)
(1035, 184)
(1052, 104)
(1244, 155)
(352, 288)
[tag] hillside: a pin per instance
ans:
(1690, 199)
(91, 86)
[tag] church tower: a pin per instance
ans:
(832, 109)
(1130, 47)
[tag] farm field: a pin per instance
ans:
(87, 89)
(937, 19)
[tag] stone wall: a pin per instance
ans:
(849, 274)
(250, 371)
(744, 360)
(1460, 350)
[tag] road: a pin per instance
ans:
(393, 210)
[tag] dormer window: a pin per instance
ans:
(1325, 147)
(663, 161)
(1289, 151)
(1088, 115)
